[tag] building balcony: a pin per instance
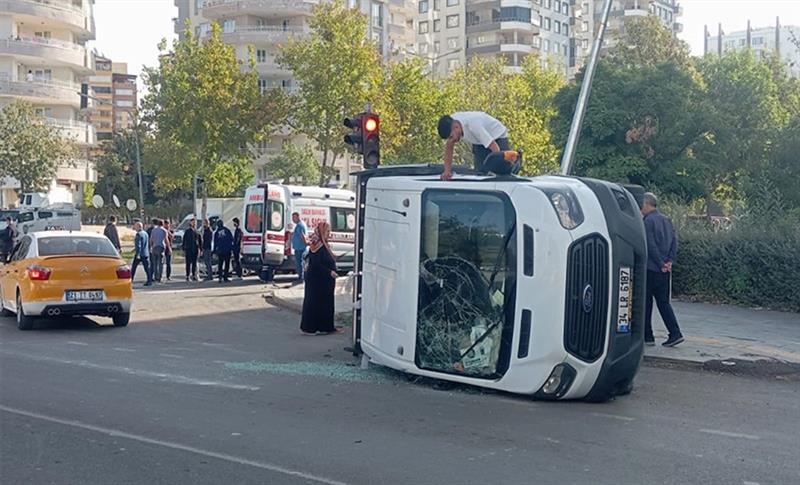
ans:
(678, 10)
(78, 131)
(218, 9)
(271, 69)
(56, 51)
(511, 48)
(42, 91)
(62, 12)
(520, 24)
(677, 27)
(264, 34)
(81, 171)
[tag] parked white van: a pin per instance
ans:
(62, 217)
(268, 250)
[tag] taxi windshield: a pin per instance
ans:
(75, 246)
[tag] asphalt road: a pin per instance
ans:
(210, 385)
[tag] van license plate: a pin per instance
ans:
(84, 295)
(625, 300)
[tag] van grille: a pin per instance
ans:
(587, 298)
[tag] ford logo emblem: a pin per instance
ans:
(588, 298)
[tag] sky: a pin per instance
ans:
(130, 30)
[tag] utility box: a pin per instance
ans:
(527, 285)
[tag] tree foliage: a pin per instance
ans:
(30, 149)
(337, 70)
(204, 108)
(295, 162)
(410, 104)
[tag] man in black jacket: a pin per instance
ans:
(7, 236)
(111, 232)
(208, 241)
(237, 247)
(191, 245)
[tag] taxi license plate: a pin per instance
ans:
(624, 300)
(84, 295)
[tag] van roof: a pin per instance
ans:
(42, 234)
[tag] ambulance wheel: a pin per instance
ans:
(267, 275)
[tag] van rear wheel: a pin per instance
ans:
(121, 319)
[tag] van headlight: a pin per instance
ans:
(566, 206)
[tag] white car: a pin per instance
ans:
(527, 285)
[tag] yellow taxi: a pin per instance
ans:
(63, 273)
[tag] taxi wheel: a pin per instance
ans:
(121, 319)
(24, 322)
(5, 312)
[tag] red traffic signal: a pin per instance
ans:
(371, 124)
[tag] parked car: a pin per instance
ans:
(61, 273)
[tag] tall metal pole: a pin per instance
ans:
(194, 195)
(139, 170)
(568, 159)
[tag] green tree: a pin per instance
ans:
(524, 102)
(646, 42)
(296, 162)
(337, 70)
(116, 168)
(204, 108)
(30, 149)
(410, 104)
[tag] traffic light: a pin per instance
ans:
(371, 146)
(355, 138)
(365, 137)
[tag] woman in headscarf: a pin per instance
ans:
(320, 284)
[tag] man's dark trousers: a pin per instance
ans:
(224, 265)
(481, 152)
(658, 288)
(145, 262)
(237, 263)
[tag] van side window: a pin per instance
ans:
(45, 214)
(25, 217)
(275, 215)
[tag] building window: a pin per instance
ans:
(423, 48)
(585, 44)
(123, 92)
(262, 86)
(452, 3)
(546, 24)
(480, 40)
(377, 15)
(228, 25)
(585, 26)
(101, 90)
(758, 41)
(565, 29)
(261, 56)
(437, 5)
(452, 43)
(437, 47)
(423, 6)
(122, 103)
(557, 6)
(437, 25)
(452, 21)
(565, 8)
(545, 45)
(513, 14)
(557, 27)
(452, 64)
(548, 3)
(198, 5)
(205, 28)
(565, 49)
(556, 47)
(423, 27)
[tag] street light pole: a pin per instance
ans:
(580, 108)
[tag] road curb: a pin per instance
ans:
(275, 300)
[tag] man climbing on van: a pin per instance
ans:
(485, 133)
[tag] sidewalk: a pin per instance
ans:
(713, 332)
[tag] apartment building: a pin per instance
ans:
(266, 24)
(44, 59)
(114, 97)
(777, 39)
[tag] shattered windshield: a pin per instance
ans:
(467, 280)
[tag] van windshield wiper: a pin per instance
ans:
(497, 266)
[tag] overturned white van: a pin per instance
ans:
(527, 285)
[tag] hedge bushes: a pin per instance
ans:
(746, 267)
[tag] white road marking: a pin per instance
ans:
(613, 416)
(173, 356)
(750, 483)
(175, 446)
(729, 434)
(178, 379)
(72, 342)
(121, 349)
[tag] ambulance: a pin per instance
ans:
(267, 249)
